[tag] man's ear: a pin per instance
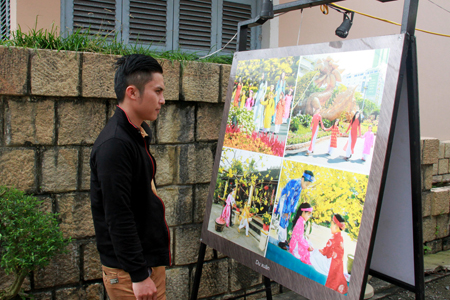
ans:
(132, 92)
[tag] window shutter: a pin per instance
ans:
(98, 15)
(234, 12)
(195, 24)
(4, 19)
(148, 21)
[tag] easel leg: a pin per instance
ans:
(198, 271)
(268, 288)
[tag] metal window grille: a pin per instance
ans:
(99, 16)
(233, 13)
(195, 22)
(148, 21)
(5, 21)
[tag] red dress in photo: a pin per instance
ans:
(335, 250)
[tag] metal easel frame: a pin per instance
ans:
(408, 27)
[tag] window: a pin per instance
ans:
(198, 25)
(5, 24)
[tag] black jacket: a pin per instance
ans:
(129, 219)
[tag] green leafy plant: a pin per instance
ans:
(29, 237)
(426, 249)
(98, 41)
(243, 118)
(266, 218)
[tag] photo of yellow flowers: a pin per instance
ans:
(316, 221)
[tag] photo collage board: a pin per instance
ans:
(291, 181)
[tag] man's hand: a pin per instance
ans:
(145, 290)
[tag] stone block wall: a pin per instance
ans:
(435, 194)
(53, 105)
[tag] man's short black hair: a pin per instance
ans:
(134, 69)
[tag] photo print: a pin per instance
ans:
(315, 223)
(244, 196)
(261, 100)
(336, 108)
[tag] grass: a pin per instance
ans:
(104, 42)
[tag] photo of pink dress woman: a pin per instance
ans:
(368, 143)
(298, 245)
(226, 212)
(317, 118)
(355, 132)
(287, 106)
(279, 113)
(250, 101)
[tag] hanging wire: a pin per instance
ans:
(336, 7)
(220, 48)
(440, 6)
(299, 29)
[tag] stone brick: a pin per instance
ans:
(435, 169)
(427, 177)
(225, 71)
(6, 280)
(63, 269)
(86, 169)
(97, 79)
(446, 244)
(441, 199)
(70, 294)
(429, 228)
(442, 226)
(187, 244)
(430, 150)
(209, 119)
(59, 170)
(2, 119)
(447, 148)
(427, 199)
(75, 214)
(443, 166)
(18, 168)
(81, 122)
(441, 150)
(242, 277)
(446, 178)
(175, 124)
(42, 296)
(437, 178)
(214, 278)
(30, 122)
(171, 72)
(95, 292)
(177, 283)
(165, 157)
(54, 73)
(178, 203)
(92, 267)
(200, 82)
(195, 163)
(434, 246)
(13, 70)
(47, 204)
(201, 196)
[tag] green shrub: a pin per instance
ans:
(29, 237)
(243, 117)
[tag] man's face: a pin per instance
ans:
(305, 184)
(149, 102)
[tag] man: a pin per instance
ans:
(288, 202)
(131, 231)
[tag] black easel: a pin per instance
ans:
(198, 275)
(410, 74)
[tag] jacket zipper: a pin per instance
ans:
(154, 171)
(164, 207)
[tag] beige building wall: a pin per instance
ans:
(433, 51)
(30, 14)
